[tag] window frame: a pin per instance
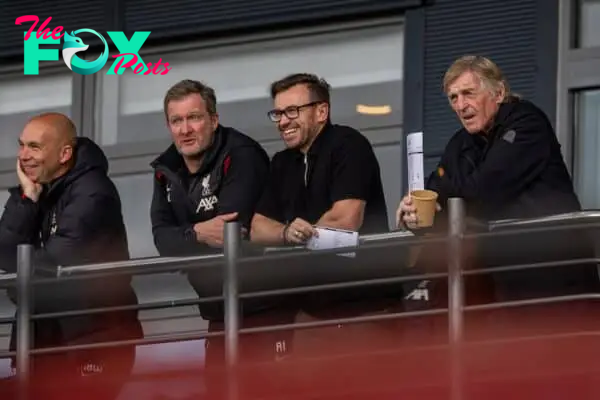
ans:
(8, 176)
(134, 158)
(578, 70)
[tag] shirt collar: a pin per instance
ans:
(318, 143)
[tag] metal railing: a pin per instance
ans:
(231, 295)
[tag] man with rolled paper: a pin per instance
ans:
(505, 162)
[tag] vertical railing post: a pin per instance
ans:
(232, 238)
(456, 223)
(24, 295)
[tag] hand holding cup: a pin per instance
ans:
(417, 210)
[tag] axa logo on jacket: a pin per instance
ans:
(207, 203)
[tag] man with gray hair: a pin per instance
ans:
(505, 162)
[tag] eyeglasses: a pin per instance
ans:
(291, 112)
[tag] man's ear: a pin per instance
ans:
(500, 93)
(214, 120)
(322, 112)
(66, 154)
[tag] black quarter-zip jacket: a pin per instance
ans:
(231, 179)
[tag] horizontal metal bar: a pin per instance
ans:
(572, 216)
(145, 306)
(528, 229)
(531, 338)
(386, 236)
(408, 239)
(280, 254)
(344, 321)
(518, 267)
(342, 285)
(193, 372)
(7, 354)
(130, 307)
(129, 264)
(8, 277)
(530, 302)
(302, 289)
(174, 263)
(167, 338)
(249, 295)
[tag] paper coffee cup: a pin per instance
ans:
(425, 203)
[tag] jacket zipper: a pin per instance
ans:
(306, 170)
(174, 182)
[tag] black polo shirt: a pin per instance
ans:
(340, 165)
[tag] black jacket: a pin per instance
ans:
(77, 220)
(517, 171)
(231, 179)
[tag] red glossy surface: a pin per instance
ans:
(545, 353)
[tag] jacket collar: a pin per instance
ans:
(502, 115)
(483, 139)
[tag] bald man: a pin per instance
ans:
(67, 207)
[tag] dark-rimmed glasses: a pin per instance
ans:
(291, 112)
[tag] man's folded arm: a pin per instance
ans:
(170, 238)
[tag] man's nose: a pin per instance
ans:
(185, 127)
(24, 153)
(284, 122)
(461, 103)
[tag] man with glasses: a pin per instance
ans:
(328, 176)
